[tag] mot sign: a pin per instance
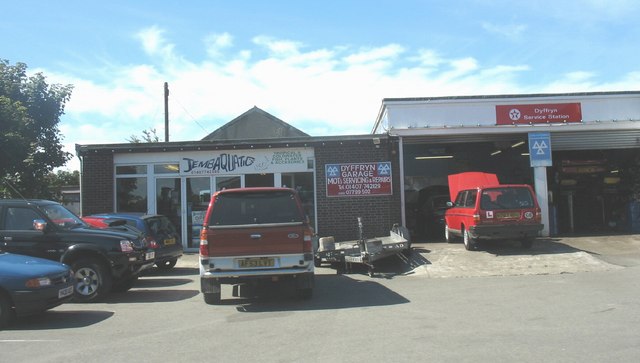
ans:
(540, 149)
(360, 179)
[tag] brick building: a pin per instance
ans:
(255, 149)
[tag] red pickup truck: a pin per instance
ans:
(484, 209)
(255, 236)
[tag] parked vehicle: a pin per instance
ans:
(31, 285)
(161, 235)
(252, 236)
(102, 260)
(484, 209)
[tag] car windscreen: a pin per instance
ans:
(506, 198)
(61, 216)
(254, 208)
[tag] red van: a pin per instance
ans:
(253, 236)
(484, 209)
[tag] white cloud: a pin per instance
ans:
(324, 91)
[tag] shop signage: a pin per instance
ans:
(236, 162)
(540, 149)
(361, 179)
(538, 113)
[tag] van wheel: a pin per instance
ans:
(448, 236)
(526, 242)
(212, 298)
(469, 242)
(93, 280)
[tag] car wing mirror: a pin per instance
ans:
(449, 204)
(39, 225)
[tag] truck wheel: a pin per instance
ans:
(469, 242)
(167, 265)
(211, 298)
(93, 281)
(5, 311)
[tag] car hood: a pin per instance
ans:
(470, 180)
(19, 265)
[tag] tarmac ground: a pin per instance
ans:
(549, 255)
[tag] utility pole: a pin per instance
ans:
(166, 112)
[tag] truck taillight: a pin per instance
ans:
(204, 242)
(306, 243)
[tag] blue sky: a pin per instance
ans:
(323, 67)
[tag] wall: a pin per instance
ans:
(97, 183)
(337, 216)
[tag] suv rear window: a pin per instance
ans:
(231, 209)
(506, 198)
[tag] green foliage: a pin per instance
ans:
(147, 136)
(30, 141)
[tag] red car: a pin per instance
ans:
(484, 209)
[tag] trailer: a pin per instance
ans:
(363, 251)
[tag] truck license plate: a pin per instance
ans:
(256, 262)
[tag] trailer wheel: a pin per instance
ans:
(370, 272)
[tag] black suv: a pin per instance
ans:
(102, 260)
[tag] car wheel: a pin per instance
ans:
(125, 285)
(5, 311)
(317, 261)
(212, 298)
(92, 280)
(526, 243)
(305, 293)
(167, 265)
(469, 242)
(447, 235)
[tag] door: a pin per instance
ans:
(197, 199)
(19, 236)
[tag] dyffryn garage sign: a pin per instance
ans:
(361, 179)
(538, 113)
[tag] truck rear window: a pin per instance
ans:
(254, 208)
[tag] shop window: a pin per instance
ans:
(166, 169)
(131, 169)
(131, 194)
(227, 182)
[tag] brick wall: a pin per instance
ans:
(337, 216)
(97, 183)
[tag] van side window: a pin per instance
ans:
(460, 199)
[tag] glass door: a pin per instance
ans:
(168, 201)
(198, 195)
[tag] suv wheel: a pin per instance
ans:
(92, 280)
(469, 242)
(168, 264)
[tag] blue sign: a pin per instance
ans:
(540, 149)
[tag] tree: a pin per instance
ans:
(147, 136)
(30, 141)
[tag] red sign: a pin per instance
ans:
(538, 114)
(363, 179)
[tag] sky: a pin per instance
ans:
(321, 66)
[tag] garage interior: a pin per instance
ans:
(589, 190)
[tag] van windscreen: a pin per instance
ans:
(254, 208)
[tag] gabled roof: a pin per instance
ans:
(254, 124)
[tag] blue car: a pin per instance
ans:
(31, 285)
(159, 232)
